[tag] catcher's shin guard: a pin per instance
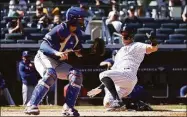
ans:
(42, 87)
(38, 94)
(75, 79)
(71, 95)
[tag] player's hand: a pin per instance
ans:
(62, 55)
(78, 53)
(113, 1)
(152, 38)
(94, 92)
(31, 65)
(97, 3)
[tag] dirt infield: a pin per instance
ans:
(98, 112)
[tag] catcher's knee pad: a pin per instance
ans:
(75, 77)
(49, 77)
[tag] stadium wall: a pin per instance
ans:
(159, 70)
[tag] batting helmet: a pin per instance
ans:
(73, 15)
(127, 32)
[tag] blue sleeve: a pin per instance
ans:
(79, 35)
(109, 60)
(22, 72)
(46, 48)
(2, 83)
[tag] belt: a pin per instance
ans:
(126, 68)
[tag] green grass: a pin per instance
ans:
(156, 107)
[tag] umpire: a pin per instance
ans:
(28, 76)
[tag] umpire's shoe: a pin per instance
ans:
(116, 105)
(32, 110)
(70, 112)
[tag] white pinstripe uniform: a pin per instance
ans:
(124, 70)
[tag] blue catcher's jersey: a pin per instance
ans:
(61, 39)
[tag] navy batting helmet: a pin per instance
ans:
(74, 14)
(127, 32)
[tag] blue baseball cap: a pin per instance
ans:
(25, 53)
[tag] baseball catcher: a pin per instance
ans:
(51, 56)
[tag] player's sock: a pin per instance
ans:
(71, 95)
(109, 84)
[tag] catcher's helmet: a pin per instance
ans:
(127, 32)
(73, 15)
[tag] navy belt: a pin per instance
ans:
(126, 68)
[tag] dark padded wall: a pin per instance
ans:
(156, 70)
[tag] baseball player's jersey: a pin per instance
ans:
(61, 39)
(130, 56)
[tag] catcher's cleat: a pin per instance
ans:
(32, 110)
(70, 112)
(116, 105)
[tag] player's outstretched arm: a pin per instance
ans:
(96, 91)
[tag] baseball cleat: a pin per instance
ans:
(70, 112)
(143, 106)
(116, 105)
(32, 110)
